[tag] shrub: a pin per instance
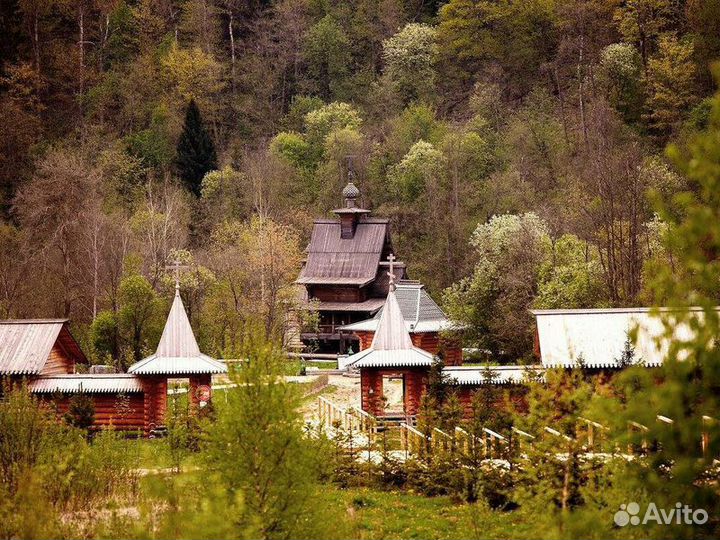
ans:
(81, 411)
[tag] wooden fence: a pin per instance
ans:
(591, 436)
(350, 419)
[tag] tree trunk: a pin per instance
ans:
(81, 51)
(581, 77)
(232, 52)
(36, 42)
(562, 104)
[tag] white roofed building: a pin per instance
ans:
(177, 356)
(596, 338)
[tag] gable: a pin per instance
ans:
(58, 361)
(344, 261)
(28, 347)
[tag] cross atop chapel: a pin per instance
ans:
(176, 266)
(391, 274)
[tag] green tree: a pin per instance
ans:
(153, 146)
(671, 84)
(138, 303)
(409, 58)
(621, 68)
(691, 369)
(571, 277)
(493, 302)
(420, 166)
(474, 35)
(320, 123)
(104, 335)
(81, 411)
(641, 22)
(259, 451)
(195, 150)
(327, 51)
(554, 473)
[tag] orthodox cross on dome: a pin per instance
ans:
(176, 266)
(391, 274)
(350, 168)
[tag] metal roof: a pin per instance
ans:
(163, 365)
(595, 338)
(391, 345)
(25, 345)
(419, 310)
(178, 352)
(465, 375)
(344, 261)
(594, 311)
(89, 383)
(391, 334)
(400, 358)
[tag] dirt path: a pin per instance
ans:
(343, 391)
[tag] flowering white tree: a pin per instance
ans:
(409, 57)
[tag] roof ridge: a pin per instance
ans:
(33, 321)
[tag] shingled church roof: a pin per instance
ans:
(334, 260)
(178, 352)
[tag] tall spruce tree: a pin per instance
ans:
(195, 150)
(680, 469)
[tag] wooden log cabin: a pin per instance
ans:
(394, 356)
(344, 275)
(44, 355)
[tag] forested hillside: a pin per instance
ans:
(518, 147)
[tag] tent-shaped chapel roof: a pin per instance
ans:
(419, 310)
(391, 345)
(178, 352)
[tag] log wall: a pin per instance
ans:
(123, 412)
(58, 362)
(335, 293)
(155, 402)
(507, 397)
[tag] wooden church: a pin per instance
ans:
(345, 279)
(427, 324)
(44, 355)
(345, 272)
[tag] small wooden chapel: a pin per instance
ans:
(345, 280)
(45, 356)
(393, 355)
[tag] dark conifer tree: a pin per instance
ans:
(195, 150)
(81, 411)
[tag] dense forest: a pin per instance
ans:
(518, 147)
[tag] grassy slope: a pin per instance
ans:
(376, 514)
(367, 514)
